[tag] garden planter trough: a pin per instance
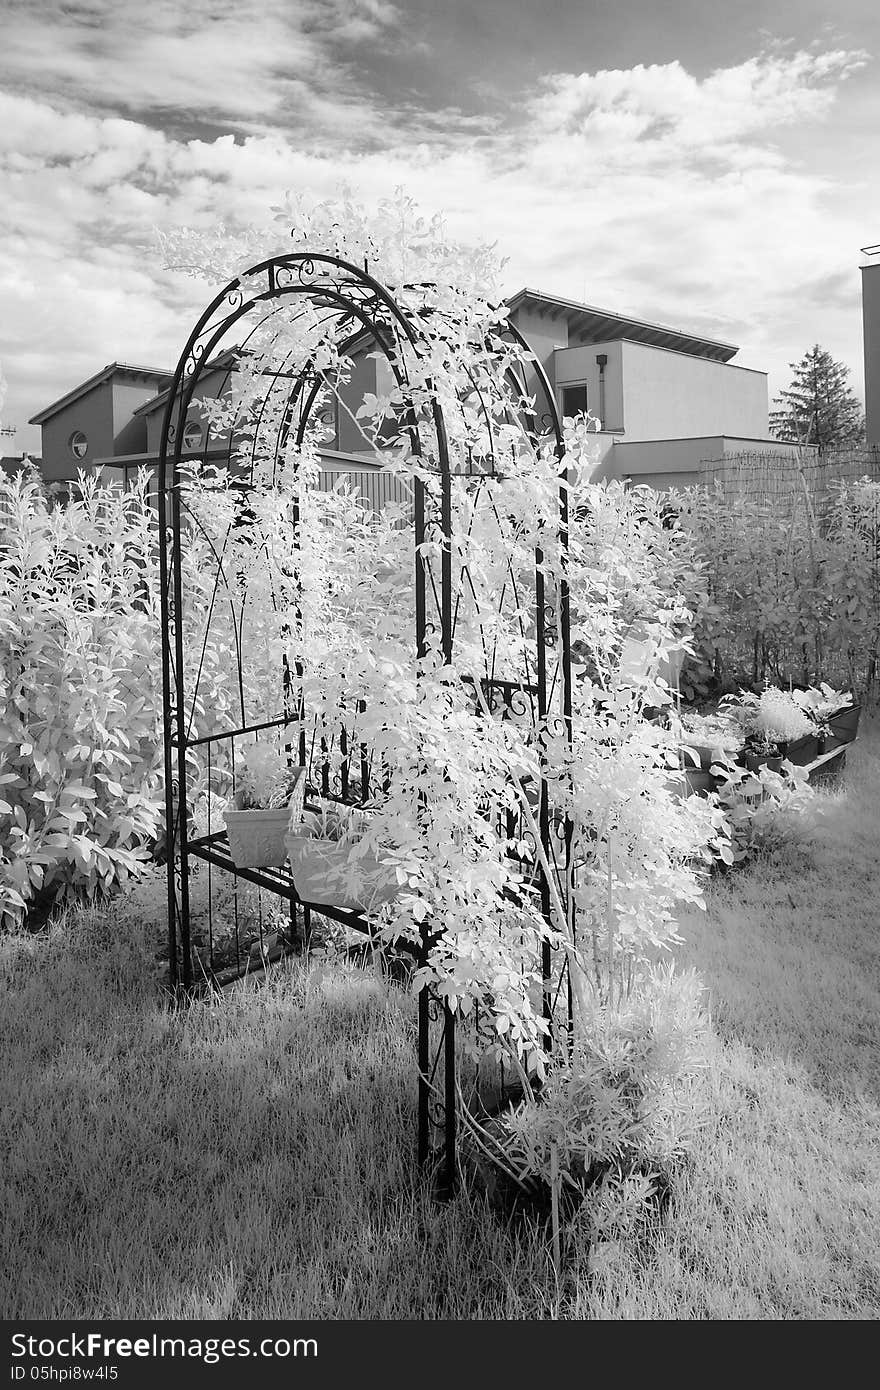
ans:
(829, 767)
(694, 781)
(753, 762)
(843, 727)
(708, 754)
(800, 751)
(700, 782)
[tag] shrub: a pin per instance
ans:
(786, 596)
(602, 1135)
(79, 765)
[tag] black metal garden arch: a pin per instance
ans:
(348, 302)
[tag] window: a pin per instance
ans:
(78, 444)
(192, 435)
(574, 399)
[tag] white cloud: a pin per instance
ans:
(648, 190)
(668, 108)
(240, 62)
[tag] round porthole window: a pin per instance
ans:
(79, 445)
(192, 435)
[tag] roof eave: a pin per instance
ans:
(720, 351)
(85, 386)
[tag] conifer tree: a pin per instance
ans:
(818, 407)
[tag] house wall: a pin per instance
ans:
(91, 413)
(364, 378)
(544, 335)
(654, 393)
(577, 364)
(671, 394)
(208, 387)
(644, 460)
(871, 330)
(663, 463)
(363, 381)
(129, 431)
(105, 417)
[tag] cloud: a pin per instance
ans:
(647, 190)
(667, 110)
(238, 62)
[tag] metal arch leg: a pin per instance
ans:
(424, 1094)
(437, 1119)
(449, 1174)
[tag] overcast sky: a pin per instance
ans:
(709, 164)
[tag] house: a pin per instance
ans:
(97, 418)
(871, 332)
(114, 421)
(666, 400)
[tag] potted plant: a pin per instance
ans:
(833, 712)
(268, 795)
(774, 727)
(329, 865)
(707, 740)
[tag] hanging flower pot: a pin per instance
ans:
(268, 799)
(256, 837)
(325, 867)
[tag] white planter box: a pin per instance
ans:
(256, 838)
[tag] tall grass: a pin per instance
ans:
(779, 1214)
(247, 1158)
(253, 1157)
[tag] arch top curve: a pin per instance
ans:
(355, 304)
(301, 271)
(354, 297)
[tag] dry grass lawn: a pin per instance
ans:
(252, 1158)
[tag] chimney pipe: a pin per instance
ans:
(602, 359)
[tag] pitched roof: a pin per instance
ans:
(223, 359)
(594, 325)
(112, 369)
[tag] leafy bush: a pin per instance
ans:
(619, 1098)
(786, 596)
(79, 769)
(751, 808)
(604, 1131)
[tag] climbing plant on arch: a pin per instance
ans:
(417, 661)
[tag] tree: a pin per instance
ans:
(818, 407)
